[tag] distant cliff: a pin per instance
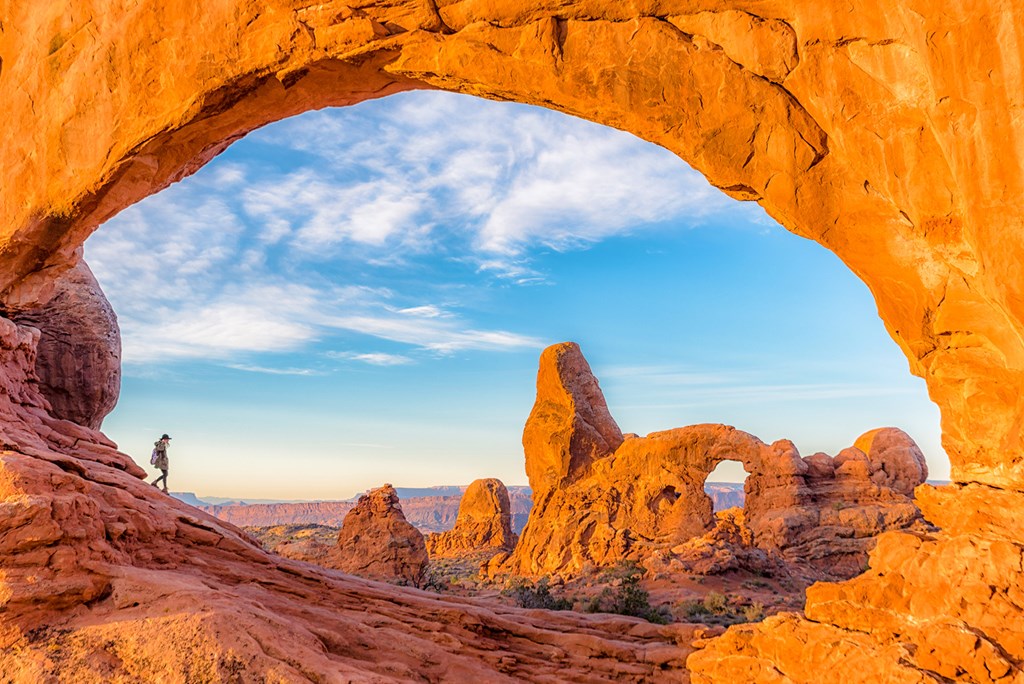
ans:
(724, 494)
(430, 513)
(427, 513)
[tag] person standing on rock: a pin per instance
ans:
(159, 458)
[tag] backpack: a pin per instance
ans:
(153, 457)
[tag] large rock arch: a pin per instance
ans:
(887, 133)
(601, 497)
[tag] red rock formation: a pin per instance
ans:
(646, 497)
(104, 578)
(570, 426)
(377, 542)
(427, 513)
(728, 546)
(887, 134)
(484, 523)
(78, 358)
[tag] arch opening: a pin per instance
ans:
(278, 199)
(726, 485)
(930, 244)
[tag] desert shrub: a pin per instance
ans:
(526, 594)
(628, 597)
(624, 569)
(692, 608)
(754, 612)
(714, 603)
(632, 599)
(599, 603)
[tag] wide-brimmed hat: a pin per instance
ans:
(165, 436)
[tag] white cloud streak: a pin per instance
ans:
(238, 259)
(373, 358)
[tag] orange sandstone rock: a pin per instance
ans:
(645, 498)
(728, 546)
(376, 541)
(570, 426)
(888, 135)
(484, 523)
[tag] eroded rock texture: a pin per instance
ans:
(78, 358)
(377, 542)
(638, 498)
(729, 545)
(484, 523)
(887, 132)
(104, 578)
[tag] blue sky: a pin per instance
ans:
(358, 296)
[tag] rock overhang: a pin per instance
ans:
(885, 134)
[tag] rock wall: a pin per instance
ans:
(641, 497)
(377, 542)
(484, 523)
(888, 134)
(78, 357)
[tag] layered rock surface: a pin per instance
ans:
(104, 578)
(484, 523)
(600, 500)
(377, 542)
(887, 134)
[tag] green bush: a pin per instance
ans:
(692, 608)
(754, 612)
(628, 598)
(526, 594)
(714, 603)
(624, 569)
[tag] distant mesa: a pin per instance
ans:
(601, 497)
(484, 523)
(190, 498)
(377, 542)
(422, 506)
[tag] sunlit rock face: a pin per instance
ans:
(859, 130)
(888, 134)
(600, 501)
(377, 542)
(484, 523)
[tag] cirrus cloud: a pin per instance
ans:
(287, 243)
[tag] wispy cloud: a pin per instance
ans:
(671, 387)
(274, 371)
(759, 394)
(373, 358)
(257, 256)
(430, 333)
(547, 179)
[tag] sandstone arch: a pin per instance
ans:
(888, 134)
(600, 497)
